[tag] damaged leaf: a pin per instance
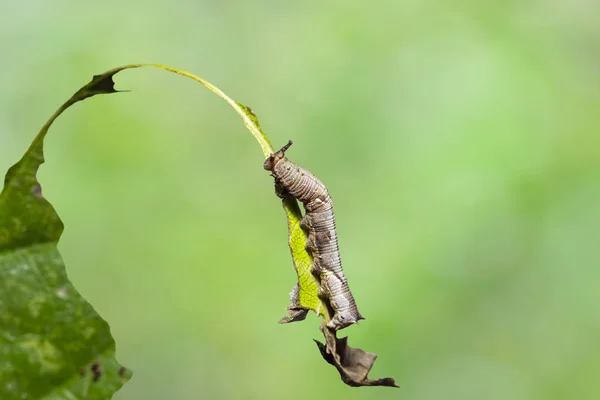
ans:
(353, 364)
(73, 356)
(48, 332)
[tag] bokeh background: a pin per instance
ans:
(460, 143)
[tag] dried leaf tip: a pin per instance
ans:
(353, 364)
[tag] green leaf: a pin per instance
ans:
(53, 344)
(49, 335)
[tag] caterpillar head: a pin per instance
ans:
(274, 158)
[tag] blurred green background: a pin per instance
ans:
(460, 143)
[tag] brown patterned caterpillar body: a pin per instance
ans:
(322, 243)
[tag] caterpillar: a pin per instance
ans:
(322, 243)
